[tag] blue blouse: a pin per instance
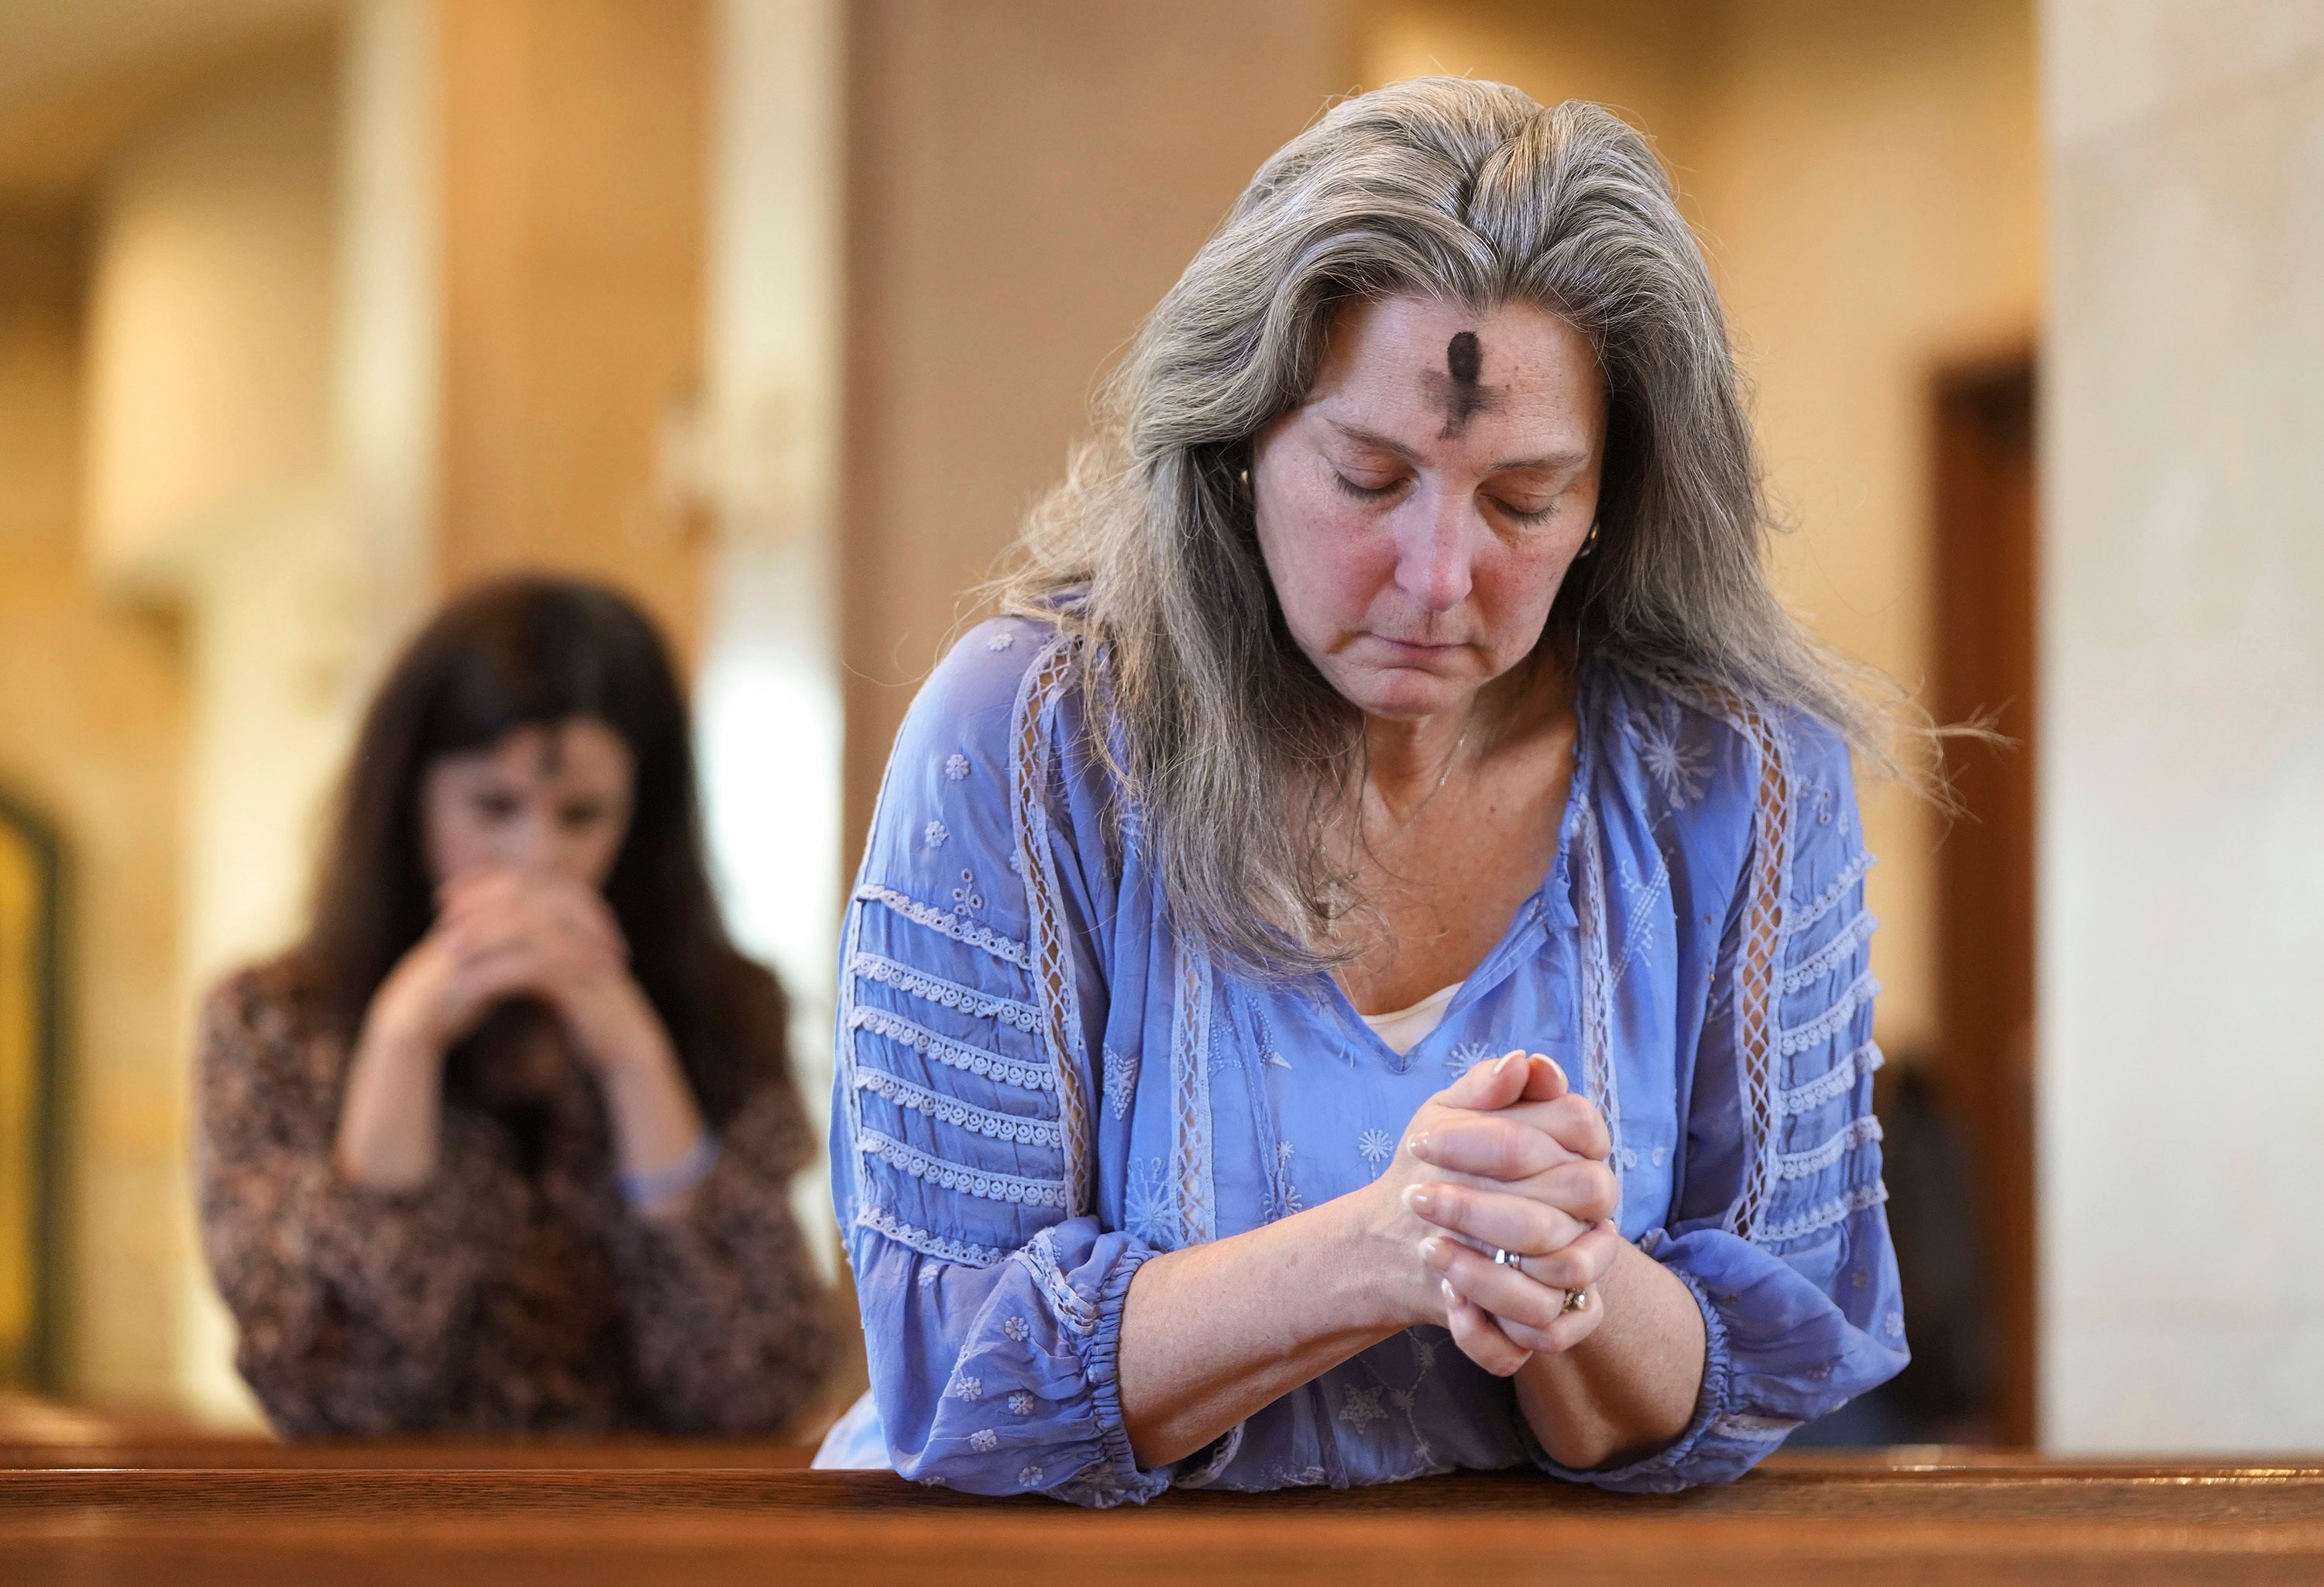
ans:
(1040, 1086)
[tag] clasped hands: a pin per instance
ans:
(1509, 1157)
(502, 933)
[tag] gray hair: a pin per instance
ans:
(1221, 735)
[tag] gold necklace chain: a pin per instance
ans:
(1443, 778)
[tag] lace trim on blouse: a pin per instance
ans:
(958, 1055)
(881, 1221)
(1007, 1188)
(1836, 1082)
(1053, 970)
(945, 994)
(1007, 949)
(962, 1115)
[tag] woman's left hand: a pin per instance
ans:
(1532, 1180)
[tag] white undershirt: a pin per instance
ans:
(1409, 1028)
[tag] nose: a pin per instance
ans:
(527, 842)
(1433, 541)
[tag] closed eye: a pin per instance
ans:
(1537, 515)
(1364, 492)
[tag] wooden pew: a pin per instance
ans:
(196, 1512)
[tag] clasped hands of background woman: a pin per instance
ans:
(1509, 1156)
(503, 933)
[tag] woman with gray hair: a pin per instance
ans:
(1362, 973)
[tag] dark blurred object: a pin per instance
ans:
(1946, 1396)
(1987, 667)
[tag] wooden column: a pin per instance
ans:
(575, 193)
(1025, 179)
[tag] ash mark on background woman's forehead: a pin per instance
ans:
(1458, 390)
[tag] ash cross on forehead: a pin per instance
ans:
(1457, 389)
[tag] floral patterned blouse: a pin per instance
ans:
(515, 1292)
(1040, 1087)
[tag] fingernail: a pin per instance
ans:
(1433, 1251)
(1446, 1286)
(1419, 1199)
(1420, 1145)
(1553, 1062)
(1511, 1065)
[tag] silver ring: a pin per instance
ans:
(1505, 1259)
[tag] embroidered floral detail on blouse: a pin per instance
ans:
(1376, 1147)
(1282, 1151)
(984, 1441)
(1146, 1204)
(1121, 1080)
(1000, 641)
(1030, 1477)
(1278, 1060)
(965, 1385)
(1676, 765)
(965, 898)
(1820, 801)
(1360, 1408)
(1017, 1329)
(1894, 1325)
(935, 834)
(956, 768)
(1022, 1402)
(1466, 1056)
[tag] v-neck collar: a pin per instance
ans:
(1548, 907)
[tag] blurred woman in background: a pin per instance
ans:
(503, 1146)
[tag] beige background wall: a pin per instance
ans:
(1865, 178)
(2182, 837)
(92, 732)
(210, 493)
(1028, 176)
(575, 142)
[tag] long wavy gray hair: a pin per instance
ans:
(1224, 736)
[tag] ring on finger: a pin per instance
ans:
(1576, 1300)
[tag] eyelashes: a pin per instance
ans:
(1367, 492)
(1363, 492)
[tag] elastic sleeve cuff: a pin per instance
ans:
(1664, 1470)
(644, 1191)
(1119, 1477)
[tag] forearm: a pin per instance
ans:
(655, 1118)
(1631, 1387)
(1213, 1332)
(391, 1120)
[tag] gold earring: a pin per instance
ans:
(1589, 542)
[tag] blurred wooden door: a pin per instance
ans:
(27, 1044)
(1987, 572)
